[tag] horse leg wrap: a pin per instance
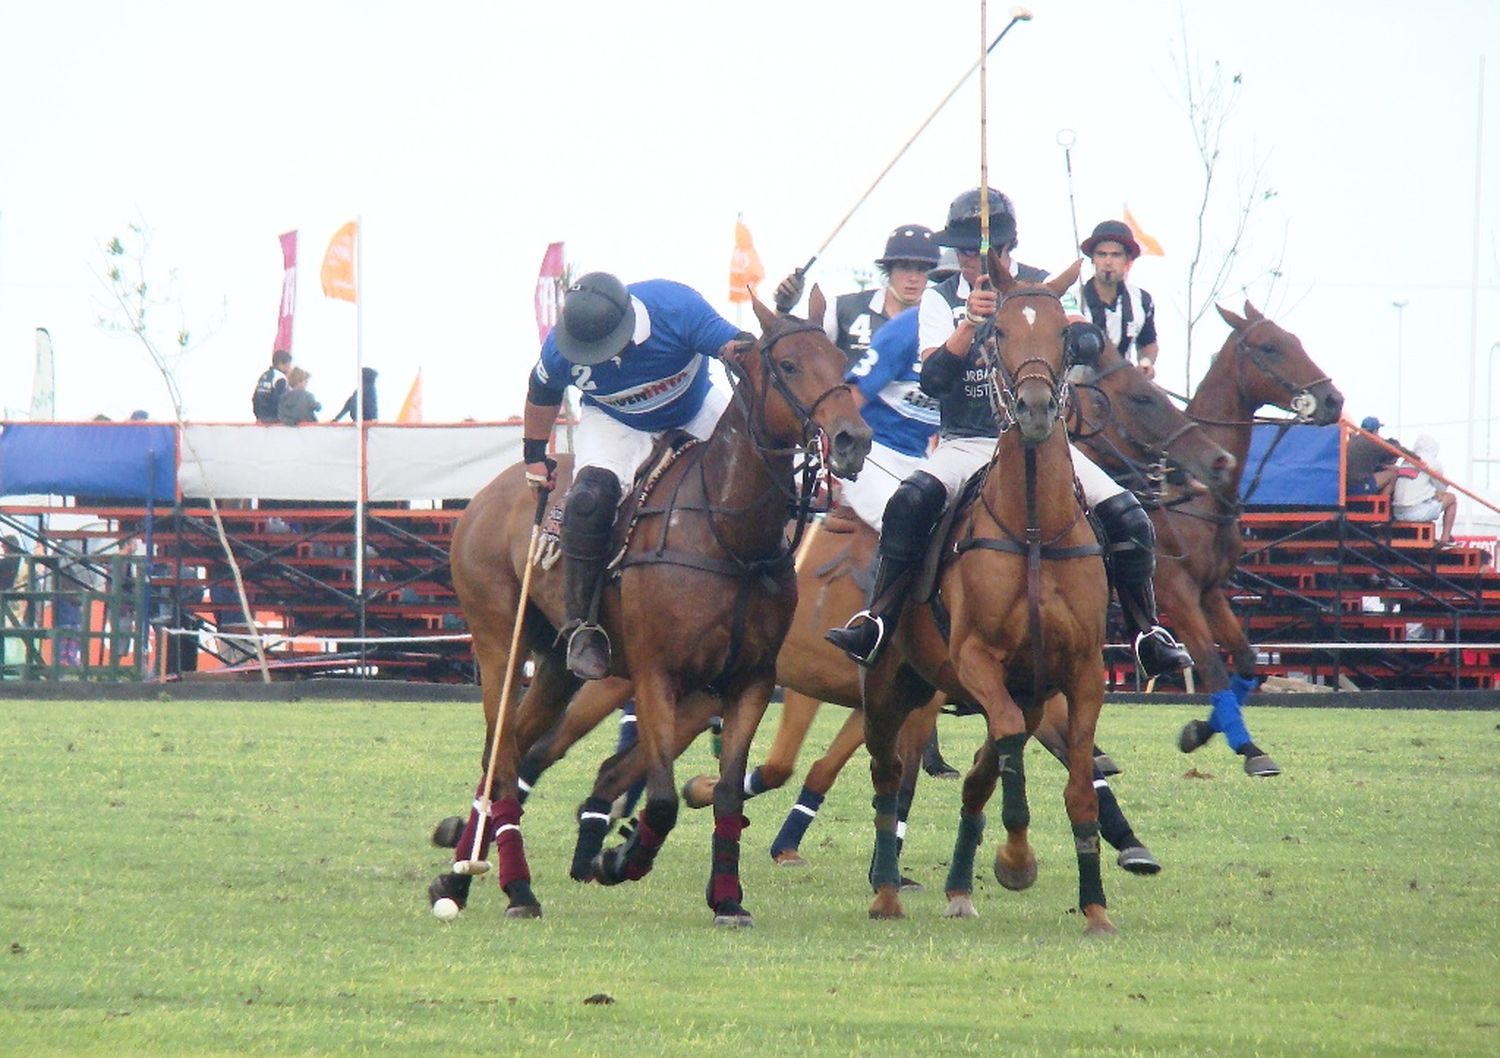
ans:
(903, 810)
(508, 845)
(755, 783)
(476, 825)
(593, 825)
(1015, 813)
(797, 821)
(885, 866)
(961, 867)
(657, 822)
(1113, 825)
(1242, 686)
(528, 774)
(724, 881)
(1228, 719)
(1090, 884)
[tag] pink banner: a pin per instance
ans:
(549, 288)
(288, 292)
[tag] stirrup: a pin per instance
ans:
(861, 638)
(1158, 654)
(588, 652)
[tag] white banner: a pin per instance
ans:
(413, 462)
(268, 462)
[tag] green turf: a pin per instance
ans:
(210, 878)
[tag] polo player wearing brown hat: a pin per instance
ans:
(1124, 311)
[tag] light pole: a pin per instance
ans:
(1400, 307)
(1489, 416)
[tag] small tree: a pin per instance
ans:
(132, 308)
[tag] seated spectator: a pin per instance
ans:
(1418, 496)
(297, 404)
(1371, 468)
(371, 412)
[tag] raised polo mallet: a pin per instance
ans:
(1017, 14)
(475, 864)
(1065, 139)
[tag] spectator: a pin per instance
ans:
(297, 405)
(1370, 466)
(1122, 310)
(1420, 497)
(270, 386)
(140, 415)
(367, 376)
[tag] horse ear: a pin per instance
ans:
(766, 316)
(1000, 277)
(817, 305)
(1064, 279)
(1235, 322)
(1251, 312)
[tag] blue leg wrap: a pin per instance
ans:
(797, 822)
(1227, 719)
(961, 867)
(627, 736)
(1242, 687)
(755, 783)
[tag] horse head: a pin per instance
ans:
(1031, 337)
(796, 382)
(1140, 423)
(1272, 368)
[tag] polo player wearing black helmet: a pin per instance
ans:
(639, 357)
(950, 316)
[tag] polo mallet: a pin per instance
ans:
(1065, 139)
(984, 138)
(1017, 14)
(475, 864)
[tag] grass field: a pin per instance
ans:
(196, 878)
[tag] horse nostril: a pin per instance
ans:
(1221, 467)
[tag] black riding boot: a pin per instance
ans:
(587, 530)
(1132, 546)
(908, 522)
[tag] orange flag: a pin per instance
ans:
(1149, 246)
(338, 263)
(411, 407)
(745, 269)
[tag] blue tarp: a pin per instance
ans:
(1303, 470)
(125, 461)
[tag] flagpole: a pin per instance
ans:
(359, 430)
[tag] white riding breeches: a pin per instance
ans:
(602, 441)
(957, 459)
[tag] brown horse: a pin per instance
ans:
(1198, 535)
(700, 601)
(832, 566)
(1026, 596)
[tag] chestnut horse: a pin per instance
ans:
(1198, 536)
(832, 565)
(701, 598)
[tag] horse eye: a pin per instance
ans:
(1270, 350)
(789, 367)
(1141, 400)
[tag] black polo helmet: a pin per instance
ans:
(597, 320)
(913, 243)
(962, 230)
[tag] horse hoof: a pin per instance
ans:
(524, 911)
(1012, 877)
(960, 905)
(887, 903)
(1097, 922)
(448, 891)
(698, 792)
(1194, 735)
(730, 915)
(910, 885)
(446, 834)
(1261, 766)
(1137, 859)
(1106, 765)
(788, 858)
(609, 867)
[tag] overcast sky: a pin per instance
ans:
(470, 135)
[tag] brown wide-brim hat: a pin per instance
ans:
(1112, 231)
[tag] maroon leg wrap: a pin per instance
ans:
(724, 883)
(507, 819)
(643, 854)
(465, 847)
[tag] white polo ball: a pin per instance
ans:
(444, 909)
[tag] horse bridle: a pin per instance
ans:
(1152, 473)
(1008, 382)
(1300, 401)
(803, 413)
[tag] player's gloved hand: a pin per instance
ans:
(982, 302)
(789, 291)
(542, 475)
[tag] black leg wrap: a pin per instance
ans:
(1090, 883)
(520, 894)
(1015, 813)
(961, 867)
(1113, 825)
(593, 826)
